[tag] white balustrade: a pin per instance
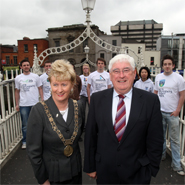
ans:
(10, 121)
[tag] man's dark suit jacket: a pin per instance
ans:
(137, 157)
(45, 148)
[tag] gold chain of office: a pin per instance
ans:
(68, 150)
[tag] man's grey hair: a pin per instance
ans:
(122, 58)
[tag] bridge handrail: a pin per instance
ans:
(10, 121)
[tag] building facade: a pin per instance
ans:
(26, 48)
(146, 31)
(63, 35)
(8, 55)
(173, 45)
(100, 52)
(150, 58)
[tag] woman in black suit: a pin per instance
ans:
(54, 130)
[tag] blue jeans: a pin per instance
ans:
(173, 126)
(24, 111)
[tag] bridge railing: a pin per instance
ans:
(154, 72)
(10, 121)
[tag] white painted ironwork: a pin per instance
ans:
(88, 32)
(10, 122)
(1, 77)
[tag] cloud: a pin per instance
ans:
(31, 18)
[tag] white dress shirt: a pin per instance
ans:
(127, 100)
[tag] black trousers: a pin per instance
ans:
(75, 180)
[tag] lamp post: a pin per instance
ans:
(88, 6)
(86, 49)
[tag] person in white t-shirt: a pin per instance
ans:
(83, 93)
(170, 88)
(145, 82)
(44, 80)
(98, 80)
(27, 90)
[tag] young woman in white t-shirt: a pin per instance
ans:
(145, 82)
(83, 93)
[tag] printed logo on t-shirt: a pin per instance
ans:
(85, 79)
(101, 78)
(161, 83)
(28, 81)
(146, 88)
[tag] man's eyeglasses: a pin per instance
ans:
(125, 70)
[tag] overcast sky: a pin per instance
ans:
(31, 18)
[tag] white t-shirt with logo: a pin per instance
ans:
(45, 86)
(99, 81)
(147, 85)
(168, 88)
(84, 85)
(28, 86)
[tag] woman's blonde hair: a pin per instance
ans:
(87, 66)
(62, 70)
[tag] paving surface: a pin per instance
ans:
(18, 170)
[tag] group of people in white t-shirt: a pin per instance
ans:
(95, 81)
(169, 86)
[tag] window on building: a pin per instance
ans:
(113, 55)
(139, 50)
(127, 51)
(15, 59)
(57, 43)
(175, 54)
(35, 46)
(175, 43)
(170, 43)
(25, 47)
(7, 59)
(71, 50)
(102, 55)
(152, 61)
(26, 58)
(70, 39)
(114, 42)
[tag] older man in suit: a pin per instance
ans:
(124, 134)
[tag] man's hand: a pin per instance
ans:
(17, 107)
(175, 113)
(92, 175)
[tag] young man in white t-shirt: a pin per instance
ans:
(170, 88)
(98, 80)
(45, 82)
(27, 90)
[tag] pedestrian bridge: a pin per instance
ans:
(14, 164)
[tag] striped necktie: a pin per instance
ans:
(120, 120)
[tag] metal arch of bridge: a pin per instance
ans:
(88, 32)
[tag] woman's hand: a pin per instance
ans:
(92, 175)
(46, 183)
